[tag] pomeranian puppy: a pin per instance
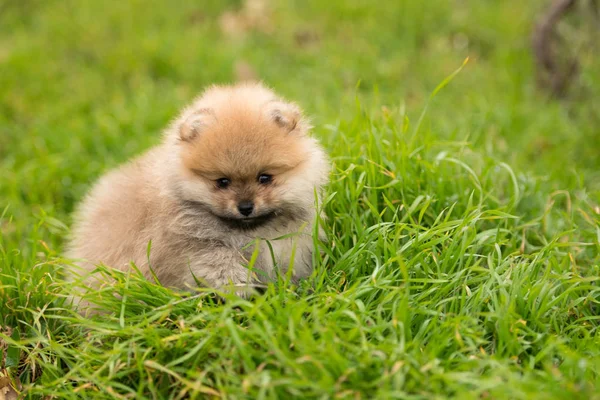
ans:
(236, 167)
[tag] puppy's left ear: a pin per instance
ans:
(288, 116)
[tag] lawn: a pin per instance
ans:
(463, 215)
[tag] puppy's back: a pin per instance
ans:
(111, 222)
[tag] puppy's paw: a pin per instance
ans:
(240, 281)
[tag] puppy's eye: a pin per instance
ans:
(223, 183)
(265, 179)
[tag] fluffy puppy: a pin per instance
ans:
(237, 165)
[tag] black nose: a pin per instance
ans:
(245, 207)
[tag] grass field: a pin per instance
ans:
(463, 251)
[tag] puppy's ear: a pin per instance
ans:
(288, 116)
(194, 124)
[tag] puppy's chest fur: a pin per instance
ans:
(202, 240)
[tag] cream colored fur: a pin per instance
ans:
(168, 195)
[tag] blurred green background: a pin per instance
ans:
(85, 85)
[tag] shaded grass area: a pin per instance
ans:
(462, 257)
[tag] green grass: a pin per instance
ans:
(463, 251)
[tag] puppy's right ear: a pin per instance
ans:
(288, 116)
(194, 124)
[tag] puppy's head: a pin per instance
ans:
(247, 158)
